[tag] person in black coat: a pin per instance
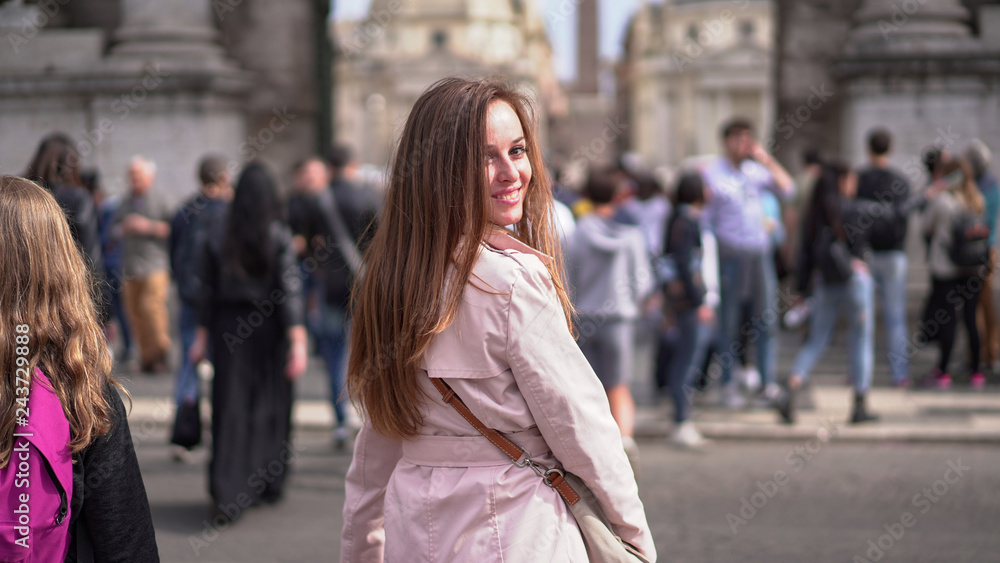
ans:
(251, 317)
(56, 167)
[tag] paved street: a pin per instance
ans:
(832, 498)
(839, 488)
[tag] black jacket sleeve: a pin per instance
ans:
(684, 239)
(289, 281)
(209, 270)
(115, 511)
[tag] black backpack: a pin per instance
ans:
(970, 244)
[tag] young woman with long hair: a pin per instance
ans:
(251, 321)
(954, 289)
(447, 292)
(73, 413)
(832, 259)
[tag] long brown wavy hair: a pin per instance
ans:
(48, 287)
(435, 216)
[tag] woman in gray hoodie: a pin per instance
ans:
(609, 276)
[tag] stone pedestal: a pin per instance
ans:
(166, 90)
(916, 69)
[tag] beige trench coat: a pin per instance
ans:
(450, 495)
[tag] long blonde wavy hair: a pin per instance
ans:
(964, 186)
(47, 286)
(435, 215)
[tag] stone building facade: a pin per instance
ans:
(688, 66)
(168, 79)
(928, 70)
(387, 60)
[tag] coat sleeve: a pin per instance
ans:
(363, 537)
(569, 405)
(290, 282)
(115, 506)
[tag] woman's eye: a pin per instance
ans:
(518, 151)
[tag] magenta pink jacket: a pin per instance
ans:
(45, 515)
(449, 494)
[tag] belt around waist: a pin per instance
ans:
(469, 451)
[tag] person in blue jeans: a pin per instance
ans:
(331, 220)
(832, 258)
(880, 183)
(692, 298)
(735, 215)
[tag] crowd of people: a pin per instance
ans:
(736, 228)
(252, 270)
(485, 288)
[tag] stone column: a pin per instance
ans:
(908, 26)
(168, 29)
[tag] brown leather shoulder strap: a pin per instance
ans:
(512, 450)
(517, 454)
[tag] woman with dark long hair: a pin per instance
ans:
(250, 320)
(56, 167)
(692, 298)
(451, 298)
(831, 257)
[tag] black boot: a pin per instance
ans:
(785, 404)
(860, 413)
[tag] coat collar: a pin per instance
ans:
(505, 241)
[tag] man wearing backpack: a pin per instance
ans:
(188, 232)
(888, 264)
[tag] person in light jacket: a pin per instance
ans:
(609, 277)
(447, 292)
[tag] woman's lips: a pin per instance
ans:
(508, 196)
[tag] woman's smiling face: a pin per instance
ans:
(508, 170)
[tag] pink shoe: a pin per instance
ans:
(943, 381)
(977, 381)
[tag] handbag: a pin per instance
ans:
(187, 426)
(834, 258)
(602, 544)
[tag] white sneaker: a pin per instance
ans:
(731, 396)
(749, 378)
(687, 436)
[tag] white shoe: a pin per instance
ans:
(749, 378)
(731, 396)
(687, 436)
